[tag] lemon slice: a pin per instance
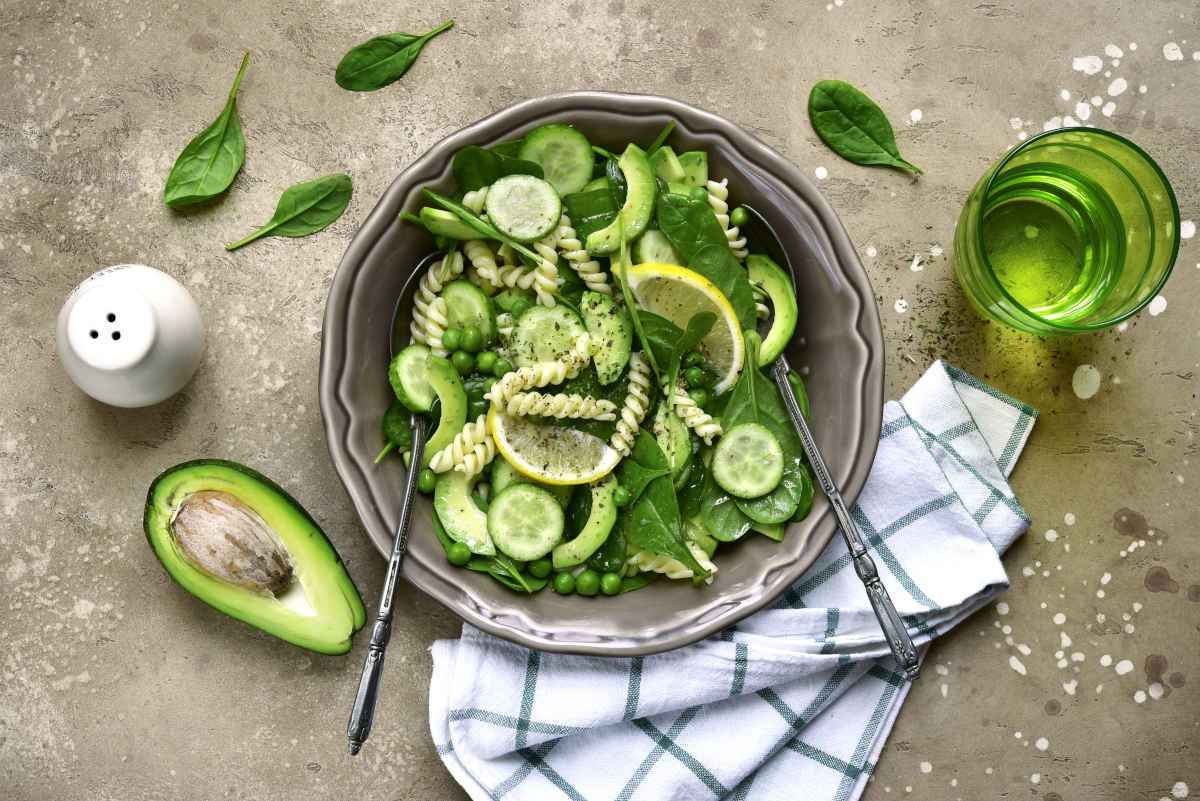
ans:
(548, 453)
(677, 293)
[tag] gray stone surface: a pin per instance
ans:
(116, 685)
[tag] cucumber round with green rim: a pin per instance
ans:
(409, 376)
(466, 304)
(565, 156)
(458, 513)
(523, 207)
(525, 522)
(546, 334)
(653, 246)
(748, 461)
(504, 475)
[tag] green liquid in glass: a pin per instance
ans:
(1054, 238)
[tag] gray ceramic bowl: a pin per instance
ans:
(838, 338)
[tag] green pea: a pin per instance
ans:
(699, 395)
(564, 584)
(520, 306)
(610, 584)
(463, 362)
(485, 361)
(587, 582)
(739, 217)
(621, 496)
(476, 408)
(488, 383)
(458, 554)
(452, 339)
(540, 568)
(426, 480)
(698, 193)
(696, 377)
(502, 368)
(693, 359)
(472, 339)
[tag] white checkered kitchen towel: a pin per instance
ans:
(793, 702)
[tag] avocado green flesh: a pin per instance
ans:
(448, 386)
(595, 530)
(320, 611)
(634, 216)
(775, 282)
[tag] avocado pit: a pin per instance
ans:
(227, 540)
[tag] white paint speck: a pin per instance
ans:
(1016, 664)
(915, 115)
(1086, 381)
(872, 252)
(1187, 229)
(1108, 109)
(1156, 690)
(1014, 123)
(1041, 744)
(1052, 123)
(936, 251)
(1083, 110)
(1022, 136)
(1002, 608)
(1051, 535)
(1139, 697)
(1123, 667)
(1070, 122)
(1064, 640)
(1035, 778)
(1157, 306)
(1105, 660)
(926, 767)
(1069, 686)
(916, 266)
(1107, 577)
(1179, 790)
(821, 173)
(1117, 87)
(1171, 52)
(1088, 65)
(1069, 518)
(901, 306)
(1097, 100)
(1112, 51)
(1059, 618)
(1142, 89)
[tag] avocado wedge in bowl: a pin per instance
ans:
(240, 543)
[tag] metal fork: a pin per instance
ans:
(890, 621)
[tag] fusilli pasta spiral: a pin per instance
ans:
(512, 273)
(535, 376)
(538, 404)
(573, 251)
(633, 410)
(718, 196)
(505, 326)
(483, 259)
(545, 274)
(475, 199)
(704, 424)
(650, 562)
(470, 451)
(429, 311)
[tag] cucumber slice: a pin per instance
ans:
(600, 521)
(654, 246)
(674, 438)
(444, 223)
(635, 214)
(666, 165)
(523, 207)
(459, 515)
(409, 376)
(748, 461)
(525, 522)
(695, 167)
(448, 386)
(466, 304)
(564, 154)
(778, 286)
(504, 475)
(545, 334)
(611, 333)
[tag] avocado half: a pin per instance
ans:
(240, 543)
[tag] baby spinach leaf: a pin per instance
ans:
(635, 583)
(721, 516)
(210, 162)
(610, 557)
(778, 505)
(305, 208)
(474, 167)
(383, 60)
(642, 466)
(397, 429)
(653, 522)
(511, 148)
(660, 335)
(590, 211)
(853, 126)
(698, 327)
(696, 235)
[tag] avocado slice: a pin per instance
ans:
(448, 387)
(241, 544)
(443, 223)
(695, 167)
(595, 531)
(778, 286)
(611, 332)
(666, 165)
(634, 216)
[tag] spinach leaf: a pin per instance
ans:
(618, 187)
(778, 505)
(696, 235)
(397, 429)
(660, 335)
(610, 557)
(653, 522)
(475, 168)
(305, 208)
(590, 211)
(698, 327)
(210, 162)
(635, 583)
(505, 571)
(511, 148)
(721, 516)
(690, 495)
(579, 508)
(380, 61)
(642, 466)
(853, 126)
(661, 139)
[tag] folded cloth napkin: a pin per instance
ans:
(796, 700)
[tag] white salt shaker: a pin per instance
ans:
(130, 336)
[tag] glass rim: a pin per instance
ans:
(991, 273)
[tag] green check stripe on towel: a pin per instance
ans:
(802, 694)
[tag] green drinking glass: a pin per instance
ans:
(1073, 231)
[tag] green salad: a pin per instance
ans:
(587, 348)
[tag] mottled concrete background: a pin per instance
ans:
(116, 685)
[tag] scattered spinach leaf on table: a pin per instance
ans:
(854, 126)
(305, 208)
(209, 163)
(382, 60)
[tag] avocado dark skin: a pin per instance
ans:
(240, 543)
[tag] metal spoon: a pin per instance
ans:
(890, 621)
(362, 715)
